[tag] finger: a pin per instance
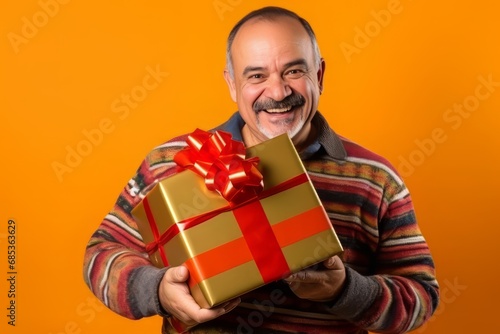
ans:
(199, 315)
(309, 291)
(229, 305)
(177, 274)
(333, 262)
(294, 285)
(203, 315)
(307, 276)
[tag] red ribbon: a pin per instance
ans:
(154, 229)
(221, 161)
(261, 241)
(191, 222)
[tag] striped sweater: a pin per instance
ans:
(390, 277)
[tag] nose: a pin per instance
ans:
(277, 88)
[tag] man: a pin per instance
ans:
(385, 281)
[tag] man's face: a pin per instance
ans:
(277, 80)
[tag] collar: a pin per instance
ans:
(327, 140)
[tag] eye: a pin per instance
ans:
(256, 78)
(295, 73)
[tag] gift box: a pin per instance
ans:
(236, 218)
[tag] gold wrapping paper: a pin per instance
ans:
(185, 195)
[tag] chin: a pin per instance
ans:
(292, 131)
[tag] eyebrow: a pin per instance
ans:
(249, 69)
(300, 61)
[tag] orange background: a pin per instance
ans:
(67, 67)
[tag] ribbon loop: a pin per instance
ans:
(220, 160)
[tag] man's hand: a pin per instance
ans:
(319, 285)
(177, 300)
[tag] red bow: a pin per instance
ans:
(221, 162)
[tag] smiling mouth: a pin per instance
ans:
(288, 104)
(279, 110)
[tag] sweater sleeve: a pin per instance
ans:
(116, 266)
(402, 292)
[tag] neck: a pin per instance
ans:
(248, 138)
(302, 142)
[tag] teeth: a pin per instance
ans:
(279, 110)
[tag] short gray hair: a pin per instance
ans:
(269, 13)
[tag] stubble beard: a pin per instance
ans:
(284, 126)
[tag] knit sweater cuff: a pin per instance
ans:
(143, 292)
(358, 295)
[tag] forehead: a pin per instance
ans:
(278, 40)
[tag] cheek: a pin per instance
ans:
(300, 86)
(250, 94)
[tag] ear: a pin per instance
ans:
(230, 84)
(321, 74)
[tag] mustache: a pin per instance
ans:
(289, 101)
